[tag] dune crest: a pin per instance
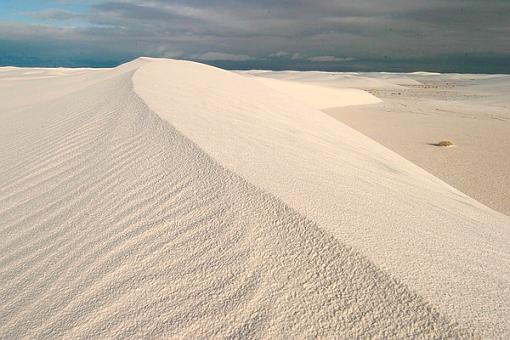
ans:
(401, 217)
(168, 198)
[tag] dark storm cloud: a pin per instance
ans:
(288, 34)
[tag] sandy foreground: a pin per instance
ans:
(167, 198)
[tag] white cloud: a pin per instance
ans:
(218, 56)
(280, 54)
(53, 14)
(296, 56)
(328, 58)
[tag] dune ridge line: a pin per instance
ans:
(350, 185)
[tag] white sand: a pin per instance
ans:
(420, 109)
(168, 198)
(320, 97)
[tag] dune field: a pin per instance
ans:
(170, 199)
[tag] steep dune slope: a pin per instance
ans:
(426, 233)
(116, 221)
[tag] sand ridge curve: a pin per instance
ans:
(446, 246)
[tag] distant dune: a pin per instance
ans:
(168, 198)
(320, 97)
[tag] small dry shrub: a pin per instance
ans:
(445, 143)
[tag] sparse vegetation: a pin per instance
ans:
(445, 143)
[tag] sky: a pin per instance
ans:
(467, 36)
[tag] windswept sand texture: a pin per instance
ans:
(168, 198)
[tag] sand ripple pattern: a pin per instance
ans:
(113, 224)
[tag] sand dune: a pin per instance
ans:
(419, 109)
(320, 97)
(168, 198)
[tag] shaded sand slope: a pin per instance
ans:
(444, 245)
(114, 223)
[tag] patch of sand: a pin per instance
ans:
(320, 97)
(473, 113)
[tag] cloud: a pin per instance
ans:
(53, 14)
(283, 33)
(280, 54)
(214, 56)
(328, 58)
(296, 56)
